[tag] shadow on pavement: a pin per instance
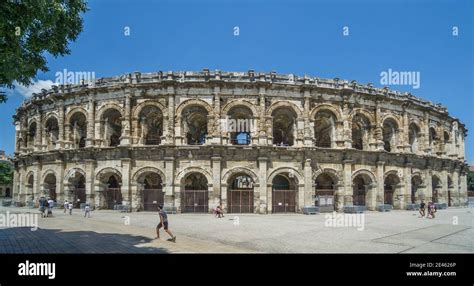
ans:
(24, 240)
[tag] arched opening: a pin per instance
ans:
(240, 125)
(51, 132)
(78, 130)
(77, 186)
(153, 194)
(324, 128)
(360, 132)
(29, 186)
(195, 198)
(195, 125)
(416, 182)
(360, 186)
(50, 186)
(325, 191)
(436, 188)
(284, 127)
(390, 185)
(112, 192)
(413, 137)
(450, 188)
(8, 193)
(112, 127)
(240, 195)
(150, 125)
(390, 129)
(30, 142)
(284, 188)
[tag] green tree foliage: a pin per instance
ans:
(6, 174)
(470, 180)
(31, 28)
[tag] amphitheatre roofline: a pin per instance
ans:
(227, 77)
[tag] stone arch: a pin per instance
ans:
(391, 172)
(392, 117)
(144, 170)
(239, 170)
(193, 102)
(333, 173)
(366, 173)
(186, 171)
(364, 112)
(279, 104)
(328, 107)
(236, 103)
(420, 175)
(289, 170)
(28, 175)
(139, 108)
(71, 113)
(49, 116)
(72, 172)
(107, 106)
(107, 170)
(46, 173)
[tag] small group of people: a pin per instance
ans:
(68, 206)
(431, 209)
(46, 207)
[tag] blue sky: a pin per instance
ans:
(299, 37)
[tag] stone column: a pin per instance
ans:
(171, 120)
(456, 192)
(378, 131)
(262, 136)
(426, 133)
(348, 189)
(217, 136)
(37, 180)
(265, 202)
(39, 131)
(346, 135)
(125, 141)
(443, 194)
(428, 182)
(60, 143)
(90, 178)
(308, 185)
(216, 181)
(169, 183)
(405, 142)
(406, 191)
(308, 138)
(60, 179)
(380, 189)
(90, 122)
(125, 188)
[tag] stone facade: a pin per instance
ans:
(143, 139)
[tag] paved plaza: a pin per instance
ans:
(114, 232)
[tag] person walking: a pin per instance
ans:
(432, 210)
(70, 207)
(163, 223)
(66, 206)
(50, 207)
(87, 210)
(422, 209)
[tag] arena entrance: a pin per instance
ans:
(77, 187)
(240, 195)
(284, 194)
(325, 195)
(390, 184)
(195, 198)
(50, 186)
(113, 193)
(153, 194)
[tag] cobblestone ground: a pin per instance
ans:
(112, 232)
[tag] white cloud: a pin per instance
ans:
(35, 87)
